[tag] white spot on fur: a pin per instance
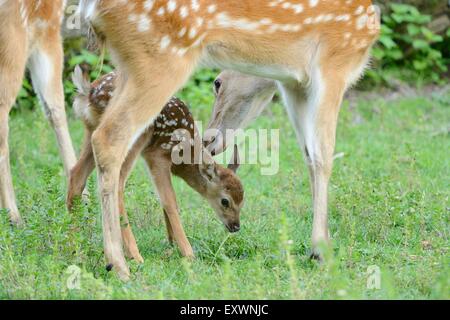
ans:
(212, 8)
(344, 17)
(184, 12)
(298, 8)
(225, 21)
(359, 11)
(161, 11)
(171, 6)
(182, 32)
(192, 33)
(144, 23)
(195, 5)
(361, 22)
(148, 5)
(165, 42)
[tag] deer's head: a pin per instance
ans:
(240, 99)
(224, 190)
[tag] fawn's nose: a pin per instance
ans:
(234, 227)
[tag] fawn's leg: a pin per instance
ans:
(170, 235)
(46, 64)
(129, 241)
(159, 167)
(318, 121)
(81, 171)
(130, 112)
(12, 65)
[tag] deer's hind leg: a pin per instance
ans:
(316, 122)
(46, 64)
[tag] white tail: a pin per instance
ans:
(218, 185)
(315, 49)
(81, 82)
(30, 33)
(81, 102)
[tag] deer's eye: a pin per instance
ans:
(225, 203)
(217, 85)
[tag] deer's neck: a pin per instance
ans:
(190, 173)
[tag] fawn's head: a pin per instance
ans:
(225, 192)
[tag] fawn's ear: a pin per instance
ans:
(209, 172)
(208, 168)
(235, 160)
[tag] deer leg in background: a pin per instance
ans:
(81, 171)
(12, 67)
(296, 102)
(129, 241)
(46, 64)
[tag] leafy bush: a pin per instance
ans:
(406, 42)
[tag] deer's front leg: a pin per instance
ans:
(81, 171)
(159, 167)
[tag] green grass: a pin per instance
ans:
(389, 207)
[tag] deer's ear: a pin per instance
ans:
(209, 172)
(235, 160)
(208, 167)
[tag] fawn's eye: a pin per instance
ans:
(217, 85)
(225, 203)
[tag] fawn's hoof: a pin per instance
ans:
(316, 257)
(16, 220)
(123, 273)
(138, 258)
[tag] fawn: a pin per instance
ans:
(314, 49)
(30, 32)
(218, 185)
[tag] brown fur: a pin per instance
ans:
(30, 32)
(155, 145)
(316, 53)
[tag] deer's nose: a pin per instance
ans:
(234, 227)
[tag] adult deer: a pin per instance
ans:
(315, 49)
(158, 145)
(30, 31)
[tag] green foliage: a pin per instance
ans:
(406, 42)
(388, 208)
